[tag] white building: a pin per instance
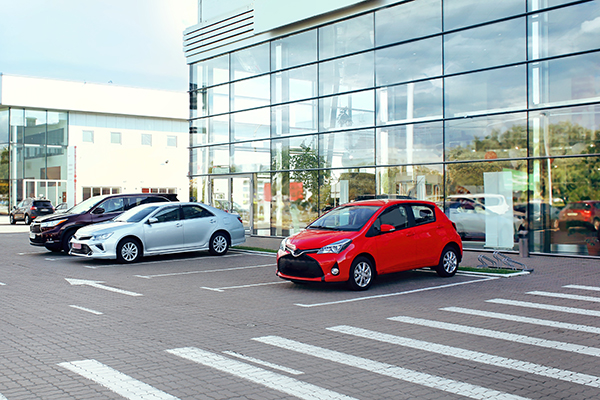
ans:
(68, 141)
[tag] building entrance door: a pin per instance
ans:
(234, 194)
(53, 190)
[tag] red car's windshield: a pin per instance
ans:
(348, 218)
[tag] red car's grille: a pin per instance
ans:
(301, 267)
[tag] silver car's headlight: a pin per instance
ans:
(102, 236)
(336, 247)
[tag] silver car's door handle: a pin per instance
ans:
(213, 221)
(179, 224)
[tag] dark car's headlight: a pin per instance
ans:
(336, 247)
(52, 224)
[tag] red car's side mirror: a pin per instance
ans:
(387, 228)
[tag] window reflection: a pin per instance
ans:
(346, 37)
(410, 102)
(250, 93)
(294, 118)
(249, 62)
(294, 84)
(347, 149)
(251, 156)
(422, 182)
(410, 144)
(252, 124)
(296, 153)
(294, 50)
(346, 74)
(486, 92)
(209, 72)
(411, 61)
(340, 186)
(396, 24)
(209, 130)
(347, 111)
(491, 137)
(486, 46)
(459, 13)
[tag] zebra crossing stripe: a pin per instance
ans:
(116, 381)
(582, 287)
(525, 320)
(549, 307)
(566, 296)
(272, 380)
(533, 341)
(2, 397)
(475, 356)
(393, 371)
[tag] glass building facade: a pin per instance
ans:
(34, 155)
(489, 109)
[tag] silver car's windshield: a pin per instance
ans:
(135, 214)
(348, 218)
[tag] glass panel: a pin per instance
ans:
(397, 24)
(480, 198)
(346, 111)
(347, 149)
(17, 125)
(252, 124)
(410, 61)
(297, 153)
(218, 159)
(294, 118)
(251, 156)
(569, 80)
(410, 144)
(459, 13)
(199, 189)
(294, 84)
(261, 224)
(211, 130)
(345, 37)
(492, 137)
(250, 62)
(422, 182)
(292, 203)
(220, 193)
(57, 128)
(250, 93)
(563, 31)
(209, 72)
(486, 46)
(4, 137)
(4, 177)
(342, 186)
(346, 74)
(410, 102)
(565, 131)
(565, 210)
(294, 50)
(486, 92)
(209, 101)
(241, 200)
(534, 5)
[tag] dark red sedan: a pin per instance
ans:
(357, 241)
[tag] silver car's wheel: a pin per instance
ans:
(448, 263)
(361, 274)
(129, 251)
(219, 244)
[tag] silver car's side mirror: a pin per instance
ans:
(152, 220)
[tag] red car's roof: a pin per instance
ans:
(385, 202)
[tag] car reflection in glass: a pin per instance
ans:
(160, 228)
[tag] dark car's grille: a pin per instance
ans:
(83, 250)
(302, 267)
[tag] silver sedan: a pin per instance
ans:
(160, 228)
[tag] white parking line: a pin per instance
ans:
(116, 381)
(222, 289)
(474, 356)
(164, 261)
(539, 306)
(566, 296)
(582, 287)
(511, 337)
(2, 284)
(393, 371)
(281, 383)
(203, 272)
(2, 397)
(526, 320)
(87, 310)
(290, 371)
(379, 296)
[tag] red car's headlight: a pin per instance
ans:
(336, 247)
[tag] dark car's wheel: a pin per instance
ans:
(219, 244)
(66, 241)
(129, 251)
(11, 219)
(362, 273)
(448, 263)
(27, 219)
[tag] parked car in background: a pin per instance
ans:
(29, 209)
(62, 207)
(584, 213)
(152, 229)
(357, 241)
(55, 231)
(542, 215)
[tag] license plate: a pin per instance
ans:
(31, 235)
(572, 214)
(44, 209)
(76, 246)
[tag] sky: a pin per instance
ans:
(137, 43)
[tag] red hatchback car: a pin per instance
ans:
(357, 241)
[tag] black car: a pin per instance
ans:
(55, 231)
(29, 209)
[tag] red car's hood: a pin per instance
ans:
(317, 238)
